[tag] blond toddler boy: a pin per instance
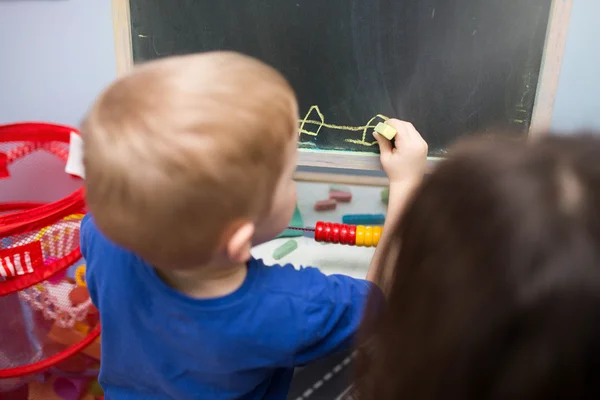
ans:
(189, 163)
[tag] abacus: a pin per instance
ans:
(351, 235)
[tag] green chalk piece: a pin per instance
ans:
(296, 222)
(285, 249)
(385, 195)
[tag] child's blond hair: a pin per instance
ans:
(182, 148)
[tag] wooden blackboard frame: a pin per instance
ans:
(556, 37)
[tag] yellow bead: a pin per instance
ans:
(368, 236)
(376, 235)
(360, 235)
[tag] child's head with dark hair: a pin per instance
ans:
(496, 279)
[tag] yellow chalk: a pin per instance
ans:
(386, 130)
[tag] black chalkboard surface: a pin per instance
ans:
(452, 67)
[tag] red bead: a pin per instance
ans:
(319, 234)
(351, 235)
(344, 234)
(335, 233)
(327, 232)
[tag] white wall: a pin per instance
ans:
(578, 98)
(55, 56)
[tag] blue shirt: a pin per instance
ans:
(160, 344)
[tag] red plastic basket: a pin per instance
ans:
(48, 321)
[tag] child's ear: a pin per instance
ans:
(240, 242)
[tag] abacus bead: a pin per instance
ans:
(344, 234)
(335, 233)
(376, 235)
(351, 235)
(360, 235)
(368, 236)
(327, 233)
(319, 234)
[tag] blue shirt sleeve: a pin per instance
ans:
(86, 237)
(332, 314)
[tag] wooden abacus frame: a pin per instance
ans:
(556, 37)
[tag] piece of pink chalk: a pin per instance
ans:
(325, 205)
(342, 197)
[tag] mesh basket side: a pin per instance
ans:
(51, 319)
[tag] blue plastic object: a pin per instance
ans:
(363, 219)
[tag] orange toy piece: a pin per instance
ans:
(70, 337)
(78, 295)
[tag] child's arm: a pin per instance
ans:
(327, 311)
(404, 165)
(85, 238)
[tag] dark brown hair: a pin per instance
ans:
(496, 284)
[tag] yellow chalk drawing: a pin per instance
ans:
(320, 124)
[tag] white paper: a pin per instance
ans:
(75, 161)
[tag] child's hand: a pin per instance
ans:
(406, 163)
(404, 166)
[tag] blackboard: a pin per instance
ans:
(452, 67)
